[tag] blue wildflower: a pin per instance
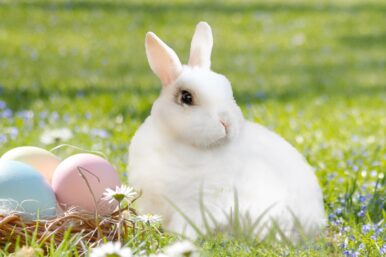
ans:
(43, 114)
(346, 229)
(382, 250)
(26, 115)
(366, 228)
(361, 213)
(362, 198)
(2, 104)
(13, 132)
(338, 211)
(331, 176)
(337, 222)
(344, 245)
(54, 116)
(100, 133)
(80, 94)
(7, 113)
(378, 231)
(66, 118)
(3, 139)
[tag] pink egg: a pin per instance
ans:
(77, 175)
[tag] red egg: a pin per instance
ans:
(80, 180)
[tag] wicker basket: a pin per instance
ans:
(90, 229)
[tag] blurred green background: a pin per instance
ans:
(314, 71)
(324, 61)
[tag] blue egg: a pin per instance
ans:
(24, 190)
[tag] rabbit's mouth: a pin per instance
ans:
(216, 137)
(220, 142)
(226, 126)
(214, 142)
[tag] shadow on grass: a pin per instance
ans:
(306, 81)
(209, 6)
(365, 41)
(21, 98)
(306, 92)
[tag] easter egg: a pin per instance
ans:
(41, 160)
(80, 181)
(25, 191)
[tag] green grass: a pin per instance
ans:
(313, 72)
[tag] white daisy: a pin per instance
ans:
(111, 249)
(181, 249)
(149, 218)
(55, 136)
(120, 193)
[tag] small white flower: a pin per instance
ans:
(299, 139)
(298, 39)
(111, 249)
(149, 218)
(56, 135)
(181, 249)
(120, 193)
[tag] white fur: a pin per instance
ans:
(201, 47)
(181, 150)
(162, 59)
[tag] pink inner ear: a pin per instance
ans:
(173, 73)
(162, 59)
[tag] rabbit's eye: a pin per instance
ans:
(186, 97)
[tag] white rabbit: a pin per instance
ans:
(197, 141)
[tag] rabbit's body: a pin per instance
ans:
(265, 171)
(199, 143)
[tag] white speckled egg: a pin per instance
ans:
(24, 190)
(79, 175)
(41, 160)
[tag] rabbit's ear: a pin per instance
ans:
(163, 60)
(201, 46)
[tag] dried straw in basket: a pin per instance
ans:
(89, 228)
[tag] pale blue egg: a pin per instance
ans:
(24, 190)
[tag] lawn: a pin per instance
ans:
(313, 72)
